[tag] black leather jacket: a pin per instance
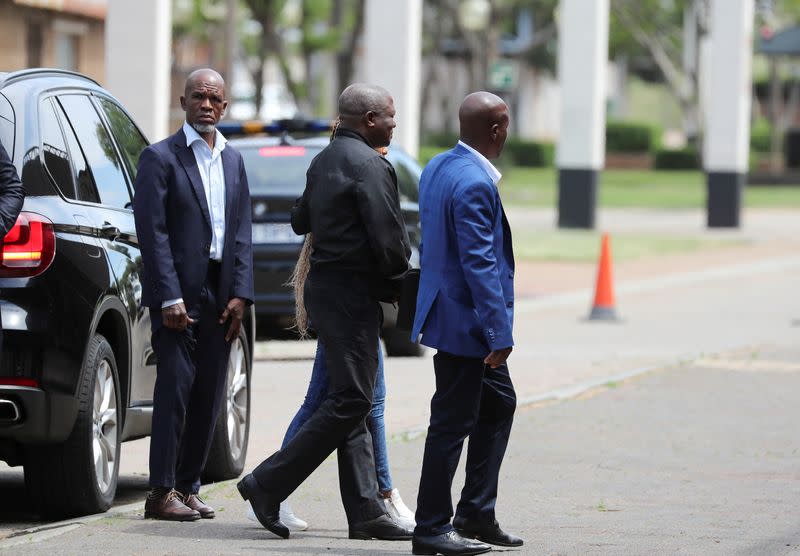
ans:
(351, 205)
(11, 193)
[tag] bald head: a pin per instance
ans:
(484, 121)
(369, 110)
(201, 77)
(204, 102)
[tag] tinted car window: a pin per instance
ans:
(81, 174)
(277, 170)
(54, 149)
(128, 138)
(7, 135)
(97, 146)
(407, 180)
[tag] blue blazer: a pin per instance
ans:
(174, 227)
(465, 304)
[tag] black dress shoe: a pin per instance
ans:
(486, 532)
(382, 527)
(268, 513)
(447, 544)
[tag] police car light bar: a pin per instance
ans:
(276, 127)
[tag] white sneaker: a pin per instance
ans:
(287, 516)
(398, 510)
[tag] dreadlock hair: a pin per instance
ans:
(297, 280)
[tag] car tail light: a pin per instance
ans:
(282, 151)
(28, 248)
(18, 381)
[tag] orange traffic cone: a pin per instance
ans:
(603, 306)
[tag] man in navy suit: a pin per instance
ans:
(465, 311)
(192, 211)
(11, 196)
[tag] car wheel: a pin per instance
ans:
(229, 445)
(398, 344)
(79, 476)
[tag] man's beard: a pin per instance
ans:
(204, 128)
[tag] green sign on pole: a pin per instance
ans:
(502, 75)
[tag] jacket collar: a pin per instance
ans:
(353, 134)
(481, 160)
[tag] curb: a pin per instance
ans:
(51, 530)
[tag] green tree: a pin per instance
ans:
(658, 30)
(323, 26)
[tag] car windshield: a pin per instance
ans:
(277, 169)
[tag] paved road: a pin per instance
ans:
(675, 310)
(693, 459)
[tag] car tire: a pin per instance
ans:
(79, 476)
(229, 443)
(398, 344)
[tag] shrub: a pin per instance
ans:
(629, 137)
(426, 152)
(523, 152)
(677, 159)
(441, 139)
(760, 136)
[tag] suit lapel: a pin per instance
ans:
(508, 245)
(187, 159)
(231, 173)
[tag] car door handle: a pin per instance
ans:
(110, 231)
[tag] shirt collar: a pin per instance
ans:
(192, 137)
(493, 172)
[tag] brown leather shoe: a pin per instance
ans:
(193, 501)
(169, 507)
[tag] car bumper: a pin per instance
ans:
(43, 417)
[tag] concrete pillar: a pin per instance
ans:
(392, 50)
(138, 55)
(582, 76)
(727, 151)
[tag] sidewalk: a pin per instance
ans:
(696, 459)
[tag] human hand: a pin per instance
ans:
(176, 317)
(498, 357)
(235, 312)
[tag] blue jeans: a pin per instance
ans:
(318, 388)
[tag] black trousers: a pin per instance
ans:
(190, 381)
(472, 400)
(347, 321)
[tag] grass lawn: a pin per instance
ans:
(583, 246)
(635, 188)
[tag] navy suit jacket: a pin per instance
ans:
(174, 227)
(11, 193)
(465, 304)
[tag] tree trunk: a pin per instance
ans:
(346, 56)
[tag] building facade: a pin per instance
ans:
(66, 34)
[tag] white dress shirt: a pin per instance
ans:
(209, 163)
(493, 172)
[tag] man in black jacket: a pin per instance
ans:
(360, 256)
(11, 196)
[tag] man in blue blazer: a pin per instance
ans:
(11, 197)
(465, 309)
(192, 211)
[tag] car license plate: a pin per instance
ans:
(275, 233)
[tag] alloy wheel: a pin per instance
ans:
(236, 399)
(105, 426)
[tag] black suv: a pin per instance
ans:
(276, 164)
(77, 371)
